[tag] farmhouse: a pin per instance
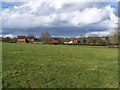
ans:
(73, 41)
(55, 41)
(25, 39)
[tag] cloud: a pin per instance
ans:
(47, 14)
(104, 33)
(8, 35)
(62, 0)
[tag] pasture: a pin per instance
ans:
(59, 66)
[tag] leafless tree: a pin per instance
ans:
(30, 35)
(92, 39)
(114, 37)
(45, 37)
(82, 40)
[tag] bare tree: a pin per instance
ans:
(92, 39)
(114, 37)
(82, 40)
(45, 37)
(30, 35)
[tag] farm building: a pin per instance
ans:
(55, 41)
(25, 39)
(73, 41)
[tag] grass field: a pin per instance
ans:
(54, 66)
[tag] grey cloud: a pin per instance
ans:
(62, 31)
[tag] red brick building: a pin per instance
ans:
(24, 39)
(55, 41)
(74, 40)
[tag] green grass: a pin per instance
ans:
(54, 66)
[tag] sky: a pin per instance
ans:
(61, 18)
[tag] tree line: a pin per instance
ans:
(92, 39)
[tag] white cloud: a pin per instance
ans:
(44, 15)
(8, 35)
(104, 33)
(0, 35)
(88, 16)
(62, 0)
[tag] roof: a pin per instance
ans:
(25, 37)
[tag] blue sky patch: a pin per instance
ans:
(10, 4)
